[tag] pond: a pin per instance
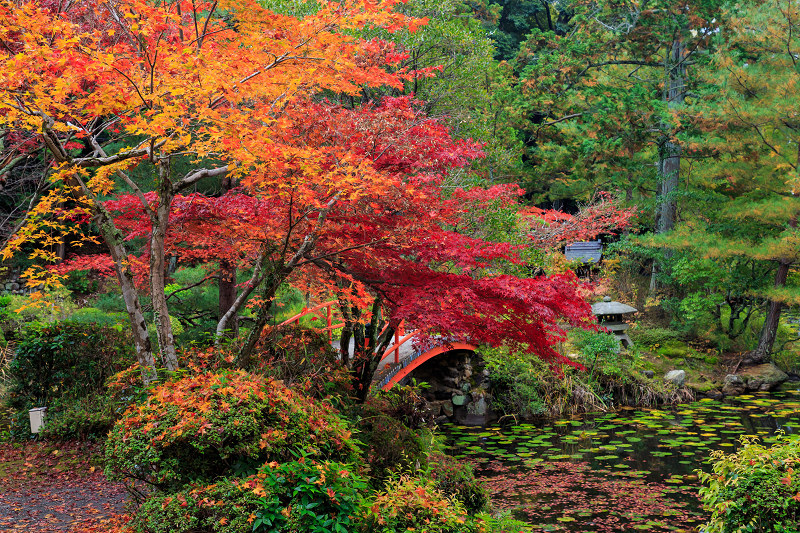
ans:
(628, 470)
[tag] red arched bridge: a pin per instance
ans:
(397, 361)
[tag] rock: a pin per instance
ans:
(648, 373)
(763, 377)
(442, 420)
(435, 407)
(459, 399)
(447, 408)
(678, 377)
(714, 394)
(465, 387)
(478, 407)
(472, 420)
(733, 386)
(15, 286)
(449, 382)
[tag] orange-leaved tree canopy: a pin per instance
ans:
(116, 88)
(139, 103)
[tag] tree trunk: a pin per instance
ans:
(227, 294)
(669, 153)
(669, 164)
(141, 337)
(769, 332)
(158, 270)
(119, 254)
(271, 285)
(227, 281)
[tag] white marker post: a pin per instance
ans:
(37, 418)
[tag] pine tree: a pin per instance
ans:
(750, 129)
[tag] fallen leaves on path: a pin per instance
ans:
(52, 487)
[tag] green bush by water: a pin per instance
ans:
(755, 489)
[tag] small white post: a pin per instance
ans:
(37, 418)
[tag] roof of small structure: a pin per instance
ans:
(585, 252)
(607, 307)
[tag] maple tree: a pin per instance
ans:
(353, 193)
(140, 86)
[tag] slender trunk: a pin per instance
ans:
(271, 285)
(274, 280)
(254, 281)
(347, 331)
(119, 254)
(227, 281)
(227, 294)
(669, 164)
(130, 295)
(365, 364)
(160, 220)
(669, 153)
(770, 330)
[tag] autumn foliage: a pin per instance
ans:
(197, 428)
(243, 140)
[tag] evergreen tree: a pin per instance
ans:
(747, 128)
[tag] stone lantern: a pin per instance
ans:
(609, 315)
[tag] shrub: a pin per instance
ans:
(600, 351)
(406, 404)
(308, 496)
(92, 315)
(90, 417)
(65, 360)
(228, 506)
(519, 381)
(650, 337)
(456, 479)
(305, 361)
(408, 504)
(17, 312)
(755, 489)
(81, 282)
(389, 446)
(205, 426)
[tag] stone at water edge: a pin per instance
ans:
(447, 408)
(734, 385)
(763, 377)
(714, 394)
(478, 407)
(459, 399)
(678, 377)
(435, 407)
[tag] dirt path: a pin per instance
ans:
(50, 487)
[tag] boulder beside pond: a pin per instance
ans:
(733, 385)
(678, 377)
(765, 377)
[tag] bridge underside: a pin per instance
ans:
(396, 372)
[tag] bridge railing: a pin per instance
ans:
(316, 311)
(400, 338)
(324, 311)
